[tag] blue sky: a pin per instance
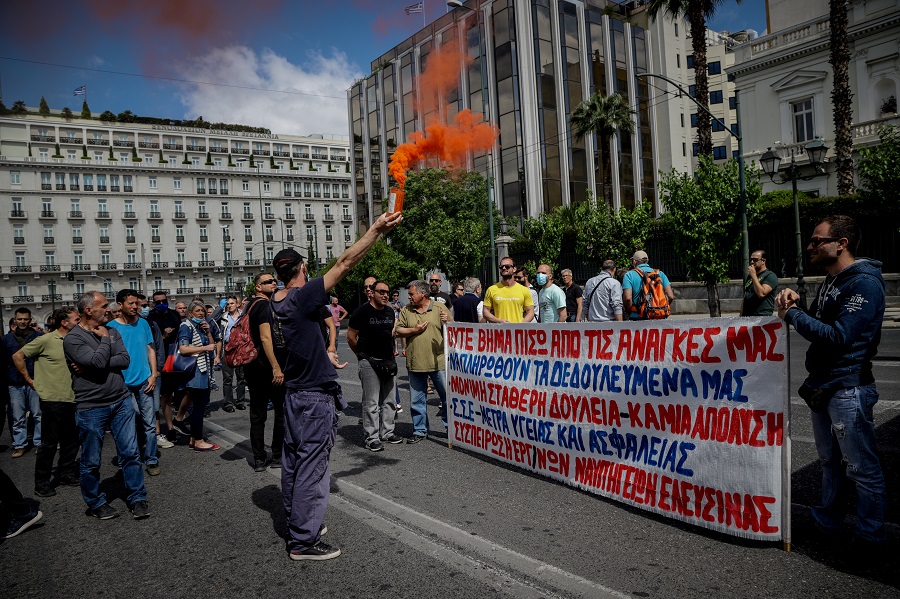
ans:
(312, 50)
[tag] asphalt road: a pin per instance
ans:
(429, 521)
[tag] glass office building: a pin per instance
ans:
(532, 63)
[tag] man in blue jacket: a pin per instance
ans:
(843, 326)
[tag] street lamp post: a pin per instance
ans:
(745, 235)
(262, 221)
(770, 162)
(482, 41)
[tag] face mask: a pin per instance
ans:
(541, 279)
(145, 312)
(163, 306)
(196, 320)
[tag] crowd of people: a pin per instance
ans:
(106, 368)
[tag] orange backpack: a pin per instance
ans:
(651, 303)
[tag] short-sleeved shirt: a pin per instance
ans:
(260, 313)
(573, 292)
(508, 303)
(336, 313)
(136, 337)
(635, 282)
(551, 299)
(443, 298)
(52, 379)
(760, 306)
(425, 351)
(304, 362)
(375, 327)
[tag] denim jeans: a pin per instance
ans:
(418, 391)
(22, 400)
(144, 405)
(92, 423)
(845, 441)
(378, 407)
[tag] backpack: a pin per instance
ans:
(239, 349)
(651, 303)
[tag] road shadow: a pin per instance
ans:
(241, 451)
(268, 499)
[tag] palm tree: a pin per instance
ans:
(841, 97)
(605, 116)
(697, 12)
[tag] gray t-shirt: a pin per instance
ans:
(102, 360)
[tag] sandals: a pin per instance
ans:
(212, 447)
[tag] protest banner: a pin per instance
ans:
(685, 418)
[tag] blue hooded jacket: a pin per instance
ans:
(844, 326)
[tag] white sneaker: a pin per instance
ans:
(161, 441)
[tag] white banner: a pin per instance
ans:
(685, 418)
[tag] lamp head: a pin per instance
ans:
(816, 150)
(770, 161)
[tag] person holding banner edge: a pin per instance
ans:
(843, 325)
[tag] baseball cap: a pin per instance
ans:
(640, 255)
(285, 260)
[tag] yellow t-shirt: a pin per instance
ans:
(508, 303)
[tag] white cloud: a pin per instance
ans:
(293, 113)
(95, 61)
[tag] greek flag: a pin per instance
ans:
(415, 8)
(80, 91)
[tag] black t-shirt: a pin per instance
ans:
(165, 320)
(325, 314)
(443, 298)
(375, 328)
(260, 312)
(573, 292)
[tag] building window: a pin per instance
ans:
(15, 178)
(694, 119)
(692, 91)
(716, 97)
(690, 61)
(152, 180)
(176, 183)
(717, 126)
(676, 29)
(732, 103)
(720, 153)
(802, 112)
(714, 68)
(245, 185)
(695, 149)
(678, 60)
(266, 186)
(683, 149)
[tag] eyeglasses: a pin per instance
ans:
(158, 302)
(817, 241)
(384, 291)
(752, 260)
(434, 281)
(502, 266)
(268, 282)
(519, 278)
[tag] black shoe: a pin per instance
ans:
(275, 464)
(415, 439)
(140, 510)
(172, 436)
(69, 481)
(375, 445)
(393, 439)
(44, 490)
(20, 524)
(105, 512)
(260, 465)
(182, 427)
(240, 406)
(228, 408)
(318, 552)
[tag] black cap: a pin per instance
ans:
(285, 260)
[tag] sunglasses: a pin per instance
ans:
(502, 266)
(158, 302)
(817, 241)
(384, 291)
(268, 282)
(434, 281)
(752, 260)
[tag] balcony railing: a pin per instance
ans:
(197, 148)
(71, 140)
(212, 191)
(218, 150)
(73, 186)
(98, 142)
(17, 214)
(127, 188)
(184, 290)
(173, 147)
(309, 216)
(281, 154)
(52, 297)
(252, 262)
(101, 188)
(204, 238)
(201, 190)
(289, 216)
(22, 299)
(346, 218)
(226, 237)
(148, 144)
(206, 263)
(20, 269)
(122, 143)
(88, 187)
(114, 188)
(49, 267)
(159, 265)
(247, 216)
(132, 265)
(46, 187)
(130, 239)
(76, 214)
(328, 217)
(19, 240)
(103, 214)
(129, 215)
(184, 264)
(154, 239)
(49, 240)
(270, 238)
(232, 263)
(80, 267)
(77, 240)
(179, 238)
(162, 290)
(60, 187)
(207, 290)
(290, 238)
(179, 215)
(248, 237)
(108, 266)
(239, 151)
(224, 216)
(43, 138)
(287, 193)
(203, 216)
(155, 215)
(104, 239)
(223, 191)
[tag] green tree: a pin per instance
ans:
(86, 112)
(697, 12)
(878, 168)
(106, 115)
(67, 113)
(383, 262)
(3, 109)
(209, 161)
(605, 116)
(445, 221)
(134, 155)
(841, 96)
(18, 108)
(126, 116)
(706, 208)
(162, 160)
(43, 108)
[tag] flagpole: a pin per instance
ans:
(423, 15)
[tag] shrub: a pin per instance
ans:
(43, 109)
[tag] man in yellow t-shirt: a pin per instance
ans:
(507, 301)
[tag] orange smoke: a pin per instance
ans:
(442, 143)
(446, 145)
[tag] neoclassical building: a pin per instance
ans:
(88, 204)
